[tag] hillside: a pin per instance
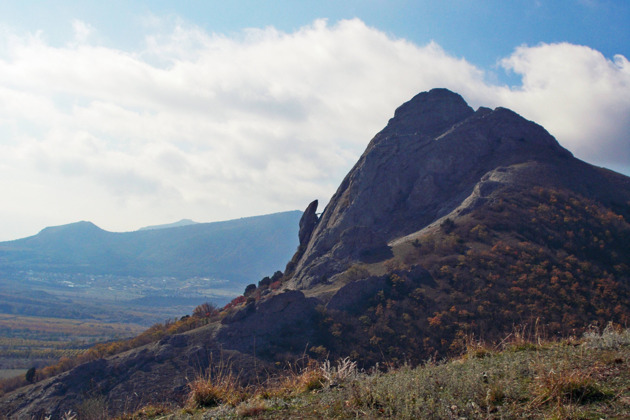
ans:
(454, 223)
(526, 376)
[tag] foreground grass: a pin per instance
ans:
(573, 379)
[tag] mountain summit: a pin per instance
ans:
(434, 156)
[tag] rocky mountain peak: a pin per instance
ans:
(420, 167)
(431, 111)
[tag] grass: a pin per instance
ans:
(215, 389)
(587, 378)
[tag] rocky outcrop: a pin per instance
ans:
(307, 222)
(420, 167)
(276, 326)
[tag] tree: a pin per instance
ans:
(265, 282)
(205, 310)
(251, 288)
(30, 375)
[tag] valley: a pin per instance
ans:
(72, 286)
(47, 316)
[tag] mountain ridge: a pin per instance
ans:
(191, 250)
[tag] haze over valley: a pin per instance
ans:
(73, 285)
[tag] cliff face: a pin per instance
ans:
(422, 166)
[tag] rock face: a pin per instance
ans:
(307, 222)
(422, 166)
(353, 295)
(274, 326)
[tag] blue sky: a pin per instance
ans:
(139, 113)
(482, 31)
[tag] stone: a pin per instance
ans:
(307, 222)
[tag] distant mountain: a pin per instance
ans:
(242, 250)
(183, 222)
(455, 224)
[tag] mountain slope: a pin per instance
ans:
(453, 224)
(433, 157)
(241, 250)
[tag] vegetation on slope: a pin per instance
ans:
(544, 256)
(521, 377)
(202, 315)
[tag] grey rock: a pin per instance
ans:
(281, 323)
(308, 221)
(419, 168)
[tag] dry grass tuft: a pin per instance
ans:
(612, 337)
(345, 370)
(252, 408)
(308, 378)
(148, 412)
(215, 388)
(573, 387)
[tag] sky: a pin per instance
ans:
(130, 114)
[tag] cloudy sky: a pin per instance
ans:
(138, 113)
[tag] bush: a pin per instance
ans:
(276, 276)
(30, 375)
(265, 282)
(251, 288)
(205, 310)
(610, 338)
(447, 225)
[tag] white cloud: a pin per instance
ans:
(578, 95)
(82, 32)
(211, 127)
